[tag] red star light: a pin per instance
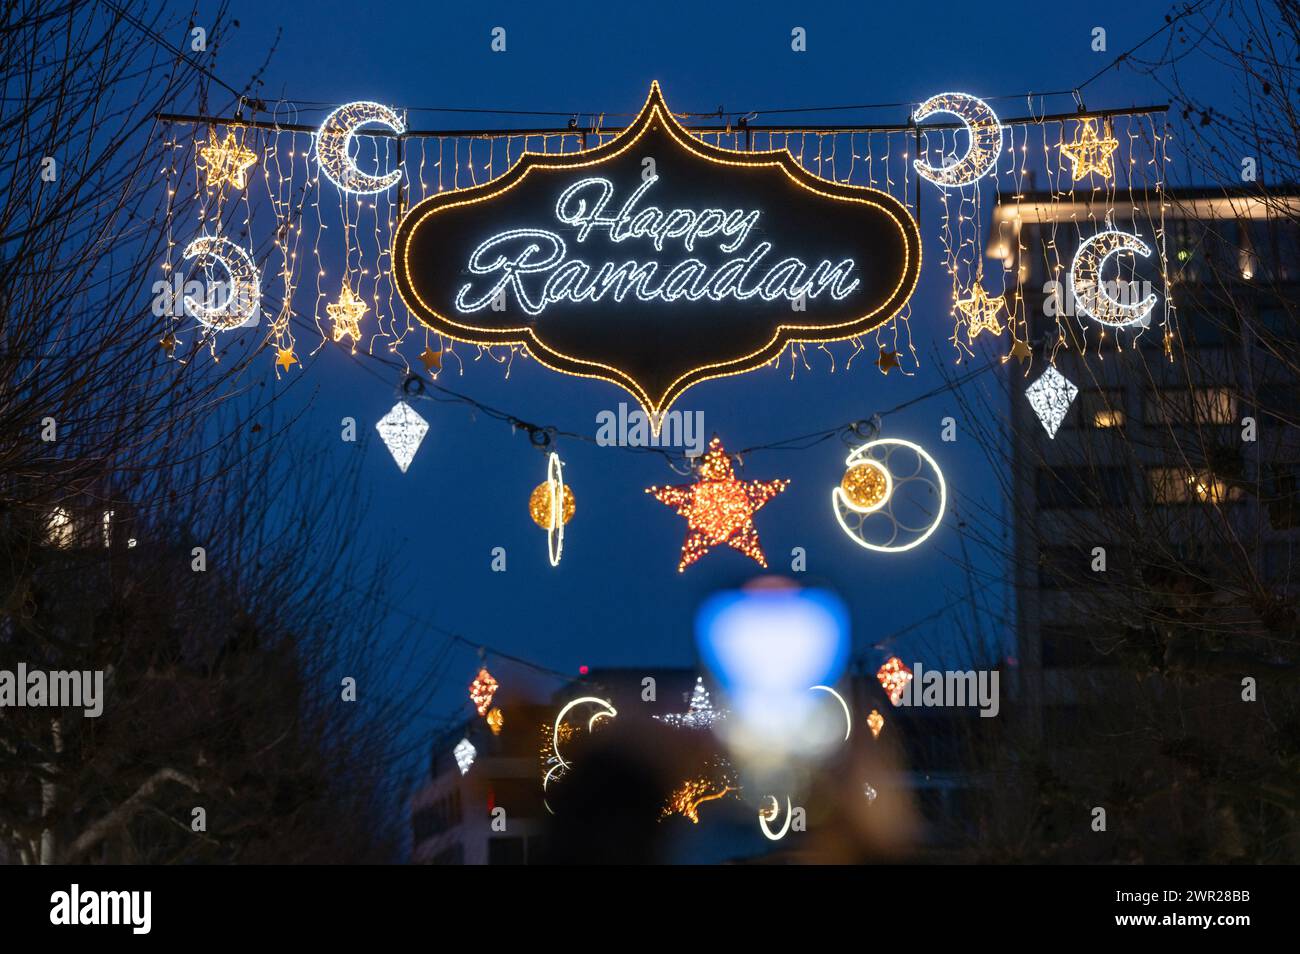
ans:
(719, 508)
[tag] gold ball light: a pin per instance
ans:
(539, 505)
(867, 486)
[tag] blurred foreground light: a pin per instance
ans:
(768, 646)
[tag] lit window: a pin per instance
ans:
(1173, 485)
(1195, 406)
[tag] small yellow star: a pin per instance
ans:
(226, 161)
(285, 358)
(888, 359)
(1020, 351)
(432, 360)
(981, 312)
(1091, 153)
(346, 314)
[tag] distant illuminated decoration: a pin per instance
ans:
(894, 676)
(464, 753)
(481, 691)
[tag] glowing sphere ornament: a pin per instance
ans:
(892, 496)
(719, 508)
(866, 486)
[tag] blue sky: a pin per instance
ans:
(617, 598)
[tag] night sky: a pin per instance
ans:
(617, 598)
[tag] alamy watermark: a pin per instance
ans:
(57, 689)
(634, 428)
(940, 688)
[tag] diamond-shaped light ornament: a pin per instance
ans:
(1050, 397)
(464, 752)
(402, 430)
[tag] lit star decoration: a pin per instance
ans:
(496, 720)
(1050, 397)
(168, 343)
(226, 162)
(346, 314)
(464, 752)
(481, 691)
(981, 312)
(719, 508)
(285, 358)
(869, 791)
(699, 713)
(875, 722)
(1090, 152)
(402, 429)
(894, 677)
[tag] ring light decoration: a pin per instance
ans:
(985, 139)
(334, 145)
(552, 505)
(882, 513)
(1090, 292)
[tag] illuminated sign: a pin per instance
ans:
(655, 260)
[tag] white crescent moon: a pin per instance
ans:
(243, 300)
(776, 806)
(848, 719)
(1090, 292)
(985, 139)
(334, 146)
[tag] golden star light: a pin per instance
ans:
(1090, 152)
(875, 722)
(226, 162)
(981, 312)
(719, 508)
(346, 314)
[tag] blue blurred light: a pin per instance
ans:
(773, 641)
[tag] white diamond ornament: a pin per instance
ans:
(402, 429)
(1050, 397)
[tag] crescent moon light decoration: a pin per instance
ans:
(1090, 292)
(985, 139)
(848, 719)
(555, 760)
(878, 513)
(334, 146)
(241, 301)
(766, 815)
